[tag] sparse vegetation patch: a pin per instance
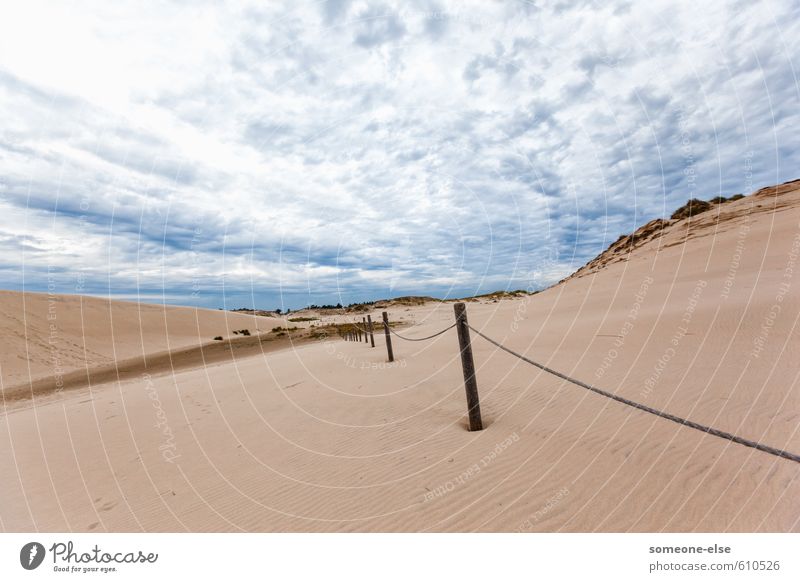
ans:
(691, 208)
(279, 330)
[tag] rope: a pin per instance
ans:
(691, 424)
(419, 339)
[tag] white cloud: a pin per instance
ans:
(365, 148)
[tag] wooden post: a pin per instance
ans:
(369, 327)
(468, 366)
(388, 336)
(366, 333)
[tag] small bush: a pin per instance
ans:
(218, 338)
(279, 330)
(691, 208)
(299, 319)
(735, 197)
(718, 200)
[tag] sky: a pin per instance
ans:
(279, 154)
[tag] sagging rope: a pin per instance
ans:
(419, 339)
(682, 421)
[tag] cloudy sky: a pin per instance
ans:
(285, 153)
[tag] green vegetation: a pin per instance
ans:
(259, 312)
(696, 206)
(503, 294)
(299, 319)
(279, 330)
(412, 300)
(691, 208)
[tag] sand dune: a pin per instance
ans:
(700, 320)
(47, 334)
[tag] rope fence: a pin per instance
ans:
(682, 421)
(420, 339)
(471, 388)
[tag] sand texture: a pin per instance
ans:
(699, 318)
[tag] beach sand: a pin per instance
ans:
(700, 320)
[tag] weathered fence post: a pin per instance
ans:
(388, 336)
(369, 327)
(468, 366)
(366, 331)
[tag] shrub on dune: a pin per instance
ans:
(691, 208)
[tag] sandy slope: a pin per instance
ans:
(48, 336)
(327, 437)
